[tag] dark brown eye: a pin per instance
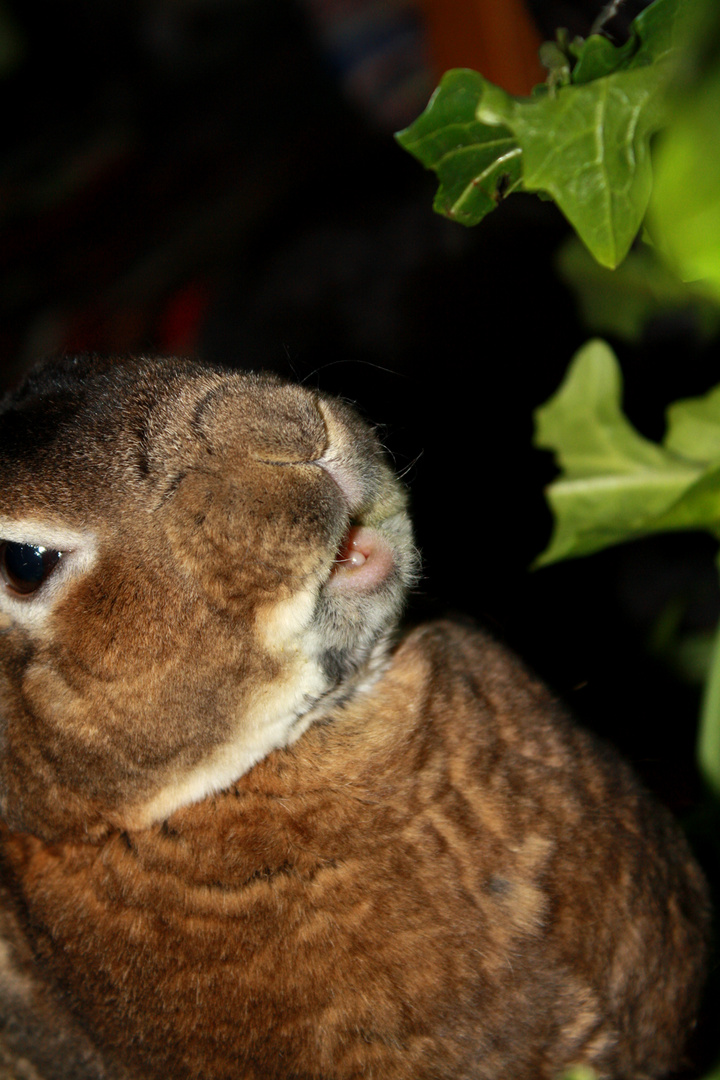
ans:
(24, 567)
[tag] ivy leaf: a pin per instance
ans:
(586, 144)
(698, 507)
(584, 423)
(624, 302)
(615, 485)
(599, 57)
(661, 28)
(694, 427)
(476, 165)
(684, 214)
(588, 147)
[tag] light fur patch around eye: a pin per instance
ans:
(79, 550)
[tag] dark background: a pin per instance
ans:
(219, 178)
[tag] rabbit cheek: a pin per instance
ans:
(33, 796)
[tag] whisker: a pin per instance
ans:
(353, 360)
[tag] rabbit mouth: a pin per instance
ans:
(363, 561)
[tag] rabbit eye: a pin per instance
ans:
(24, 567)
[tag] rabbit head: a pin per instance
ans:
(194, 563)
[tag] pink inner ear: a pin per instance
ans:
(363, 560)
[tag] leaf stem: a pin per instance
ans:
(608, 12)
(708, 744)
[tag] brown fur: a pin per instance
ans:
(431, 873)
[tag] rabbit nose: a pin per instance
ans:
(300, 441)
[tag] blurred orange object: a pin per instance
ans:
(495, 37)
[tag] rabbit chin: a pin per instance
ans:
(276, 715)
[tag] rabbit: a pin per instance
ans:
(250, 830)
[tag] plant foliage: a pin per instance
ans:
(616, 485)
(684, 214)
(583, 137)
(641, 292)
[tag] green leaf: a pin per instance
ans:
(662, 28)
(624, 302)
(687, 653)
(599, 57)
(654, 35)
(584, 424)
(715, 1073)
(708, 744)
(684, 214)
(615, 484)
(694, 427)
(476, 165)
(586, 144)
(589, 147)
(698, 507)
